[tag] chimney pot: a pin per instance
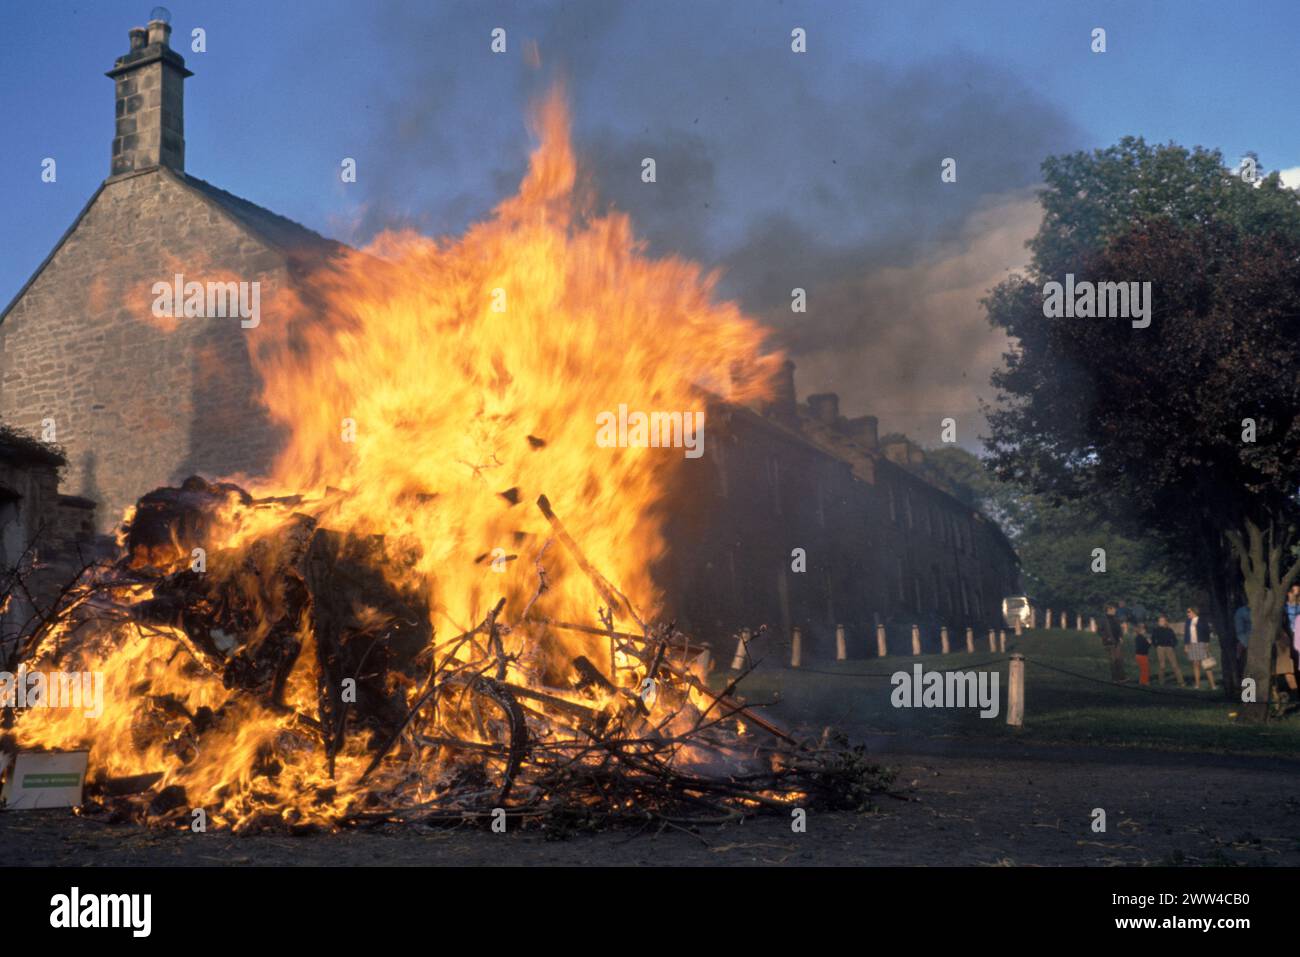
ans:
(138, 38)
(160, 31)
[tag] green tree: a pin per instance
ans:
(1189, 427)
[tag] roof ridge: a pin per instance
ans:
(247, 212)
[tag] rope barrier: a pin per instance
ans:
(890, 674)
(1115, 684)
(1028, 660)
(1160, 692)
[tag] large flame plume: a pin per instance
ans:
(431, 391)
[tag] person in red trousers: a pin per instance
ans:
(1141, 651)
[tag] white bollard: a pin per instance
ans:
(916, 640)
(841, 647)
(993, 641)
(1016, 691)
(1049, 618)
(970, 641)
(1078, 622)
(943, 640)
(1019, 628)
(796, 648)
(742, 651)
(1092, 626)
(882, 646)
(1002, 641)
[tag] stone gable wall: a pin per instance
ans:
(136, 401)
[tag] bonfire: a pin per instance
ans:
(440, 606)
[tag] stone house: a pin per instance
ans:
(138, 403)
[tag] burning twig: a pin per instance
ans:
(612, 595)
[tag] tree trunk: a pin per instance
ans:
(1265, 583)
(1216, 566)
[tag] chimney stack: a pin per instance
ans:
(825, 406)
(896, 450)
(782, 403)
(866, 429)
(150, 101)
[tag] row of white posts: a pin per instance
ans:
(1063, 620)
(997, 644)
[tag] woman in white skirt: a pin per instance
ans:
(1196, 642)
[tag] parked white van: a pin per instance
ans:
(1017, 608)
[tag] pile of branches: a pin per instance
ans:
(451, 731)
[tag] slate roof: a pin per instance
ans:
(274, 229)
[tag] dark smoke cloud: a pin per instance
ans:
(819, 171)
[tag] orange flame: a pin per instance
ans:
(443, 386)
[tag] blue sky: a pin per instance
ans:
(827, 161)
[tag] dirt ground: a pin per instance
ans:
(957, 803)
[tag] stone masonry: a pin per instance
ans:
(135, 400)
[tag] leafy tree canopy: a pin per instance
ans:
(1189, 428)
(1154, 417)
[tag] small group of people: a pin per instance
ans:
(1286, 661)
(1120, 620)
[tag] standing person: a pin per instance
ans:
(1284, 665)
(1196, 642)
(1137, 612)
(1112, 634)
(1141, 650)
(1292, 612)
(1241, 625)
(1122, 615)
(1165, 640)
(1292, 607)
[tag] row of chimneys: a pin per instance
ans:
(825, 408)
